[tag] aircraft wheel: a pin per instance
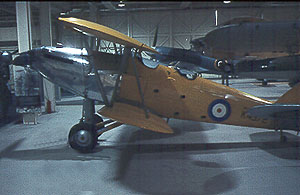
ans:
(82, 137)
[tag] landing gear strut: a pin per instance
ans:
(84, 135)
(225, 78)
(264, 82)
(283, 138)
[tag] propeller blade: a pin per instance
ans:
(15, 52)
(155, 37)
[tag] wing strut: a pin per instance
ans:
(123, 66)
(139, 83)
(100, 86)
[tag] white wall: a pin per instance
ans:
(8, 34)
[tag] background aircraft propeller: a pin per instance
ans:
(155, 37)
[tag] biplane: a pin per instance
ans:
(142, 93)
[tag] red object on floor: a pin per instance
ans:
(48, 109)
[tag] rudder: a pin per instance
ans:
(292, 96)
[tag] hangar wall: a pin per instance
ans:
(176, 28)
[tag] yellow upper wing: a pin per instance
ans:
(105, 33)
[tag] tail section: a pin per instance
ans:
(290, 97)
(285, 112)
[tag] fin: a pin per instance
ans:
(105, 33)
(133, 115)
(290, 97)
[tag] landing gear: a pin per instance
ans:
(264, 82)
(225, 79)
(83, 137)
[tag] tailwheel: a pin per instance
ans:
(83, 137)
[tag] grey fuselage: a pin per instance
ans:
(234, 41)
(66, 67)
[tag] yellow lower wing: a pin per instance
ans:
(132, 115)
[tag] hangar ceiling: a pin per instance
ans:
(81, 8)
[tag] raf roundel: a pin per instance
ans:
(219, 110)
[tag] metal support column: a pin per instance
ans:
(171, 29)
(23, 28)
(46, 40)
(23, 16)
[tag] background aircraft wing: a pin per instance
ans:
(105, 33)
(285, 63)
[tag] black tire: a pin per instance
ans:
(82, 137)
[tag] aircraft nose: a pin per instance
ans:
(23, 59)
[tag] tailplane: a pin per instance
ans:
(285, 111)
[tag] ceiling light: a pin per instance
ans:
(121, 4)
(226, 2)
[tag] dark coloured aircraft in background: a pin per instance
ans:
(257, 48)
(190, 63)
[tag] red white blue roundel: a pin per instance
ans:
(219, 110)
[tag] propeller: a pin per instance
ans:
(155, 37)
(224, 66)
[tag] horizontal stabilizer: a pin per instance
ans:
(105, 33)
(274, 111)
(133, 115)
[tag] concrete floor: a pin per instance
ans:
(200, 158)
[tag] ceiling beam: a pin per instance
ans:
(109, 5)
(8, 11)
(185, 4)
